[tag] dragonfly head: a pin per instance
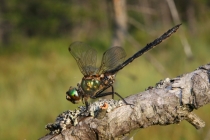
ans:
(73, 96)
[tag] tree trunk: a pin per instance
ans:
(120, 22)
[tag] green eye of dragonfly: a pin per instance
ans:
(73, 96)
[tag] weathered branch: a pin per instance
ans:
(169, 102)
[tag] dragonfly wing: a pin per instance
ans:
(85, 56)
(112, 58)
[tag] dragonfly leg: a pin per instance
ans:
(102, 95)
(100, 92)
(111, 93)
(86, 104)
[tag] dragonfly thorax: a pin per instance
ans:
(90, 85)
(95, 83)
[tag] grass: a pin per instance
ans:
(35, 75)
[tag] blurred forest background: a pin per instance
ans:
(36, 68)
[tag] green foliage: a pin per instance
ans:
(49, 18)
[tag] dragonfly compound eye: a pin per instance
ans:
(73, 96)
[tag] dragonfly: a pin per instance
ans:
(97, 79)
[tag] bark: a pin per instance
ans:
(169, 102)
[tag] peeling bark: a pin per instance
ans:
(169, 102)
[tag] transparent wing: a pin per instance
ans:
(112, 58)
(85, 56)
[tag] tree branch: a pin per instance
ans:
(169, 102)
